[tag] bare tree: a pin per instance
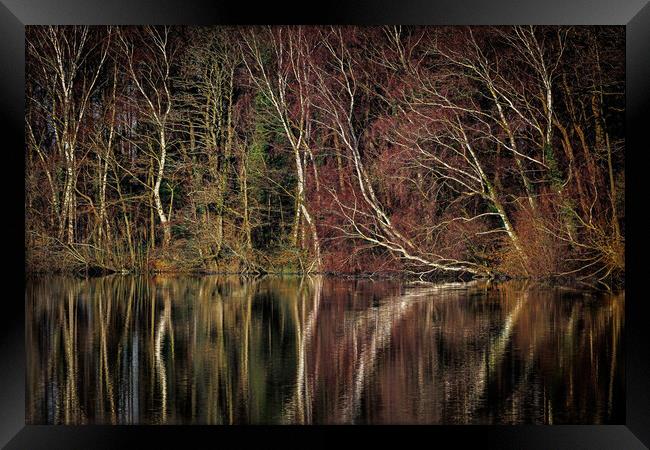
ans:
(69, 62)
(150, 72)
(288, 77)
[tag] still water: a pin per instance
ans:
(273, 350)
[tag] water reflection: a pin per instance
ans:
(226, 350)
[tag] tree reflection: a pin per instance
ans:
(226, 350)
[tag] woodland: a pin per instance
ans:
(432, 152)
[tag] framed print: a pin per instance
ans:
(421, 220)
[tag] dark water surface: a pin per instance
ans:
(230, 350)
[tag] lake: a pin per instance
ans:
(301, 350)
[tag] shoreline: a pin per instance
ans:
(567, 281)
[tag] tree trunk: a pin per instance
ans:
(243, 180)
(156, 192)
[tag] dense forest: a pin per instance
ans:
(428, 151)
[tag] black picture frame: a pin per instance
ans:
(15, 14)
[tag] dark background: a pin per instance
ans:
(14, 14)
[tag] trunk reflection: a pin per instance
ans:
(226, 350)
